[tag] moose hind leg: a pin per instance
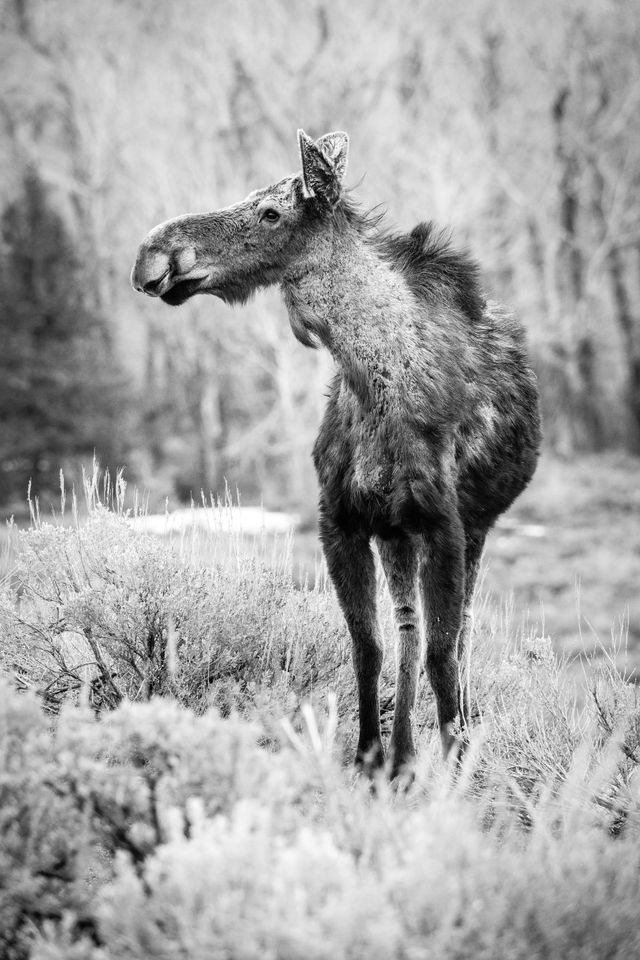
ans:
(474, 544)
(400, 562)
(352, 570)
(442, 584)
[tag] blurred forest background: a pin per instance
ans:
(515, 124)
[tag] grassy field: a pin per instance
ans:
(581, 578)
(564, 562)
(177, 721)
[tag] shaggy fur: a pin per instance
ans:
(431, 428)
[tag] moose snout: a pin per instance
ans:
(155, 271)
(154, 287)
(150, 272)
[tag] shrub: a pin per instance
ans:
(180, 797)
(75, 796)
(120, 615)
(45, 848)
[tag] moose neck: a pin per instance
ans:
(359, 308)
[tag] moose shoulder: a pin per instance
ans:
(432, 426)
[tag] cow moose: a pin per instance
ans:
(432, 425)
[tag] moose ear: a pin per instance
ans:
(336, 146)
(323, 165)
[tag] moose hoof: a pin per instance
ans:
(402, 777)
(402, 764)
(370, 759)
(452, 746)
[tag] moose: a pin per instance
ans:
(432, 425)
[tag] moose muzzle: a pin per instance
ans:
(151, 272)
(156, 271)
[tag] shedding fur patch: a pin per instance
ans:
(308, 328)
(426, 258)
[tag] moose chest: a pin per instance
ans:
(353, 446)
(362, 453)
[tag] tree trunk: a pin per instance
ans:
(623, 312)
(208, 417)
(584, 414)
(628, 327)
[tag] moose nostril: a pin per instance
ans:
(152, 286)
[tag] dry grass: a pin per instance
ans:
(205, 807)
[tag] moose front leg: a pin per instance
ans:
(352, 571)
(400, 562)
(442, 581)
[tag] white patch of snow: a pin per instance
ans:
(524, 529)
(248, 520)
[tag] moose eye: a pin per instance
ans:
(270, 215)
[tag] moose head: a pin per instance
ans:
(277, 233)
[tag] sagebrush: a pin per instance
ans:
(214, 817)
